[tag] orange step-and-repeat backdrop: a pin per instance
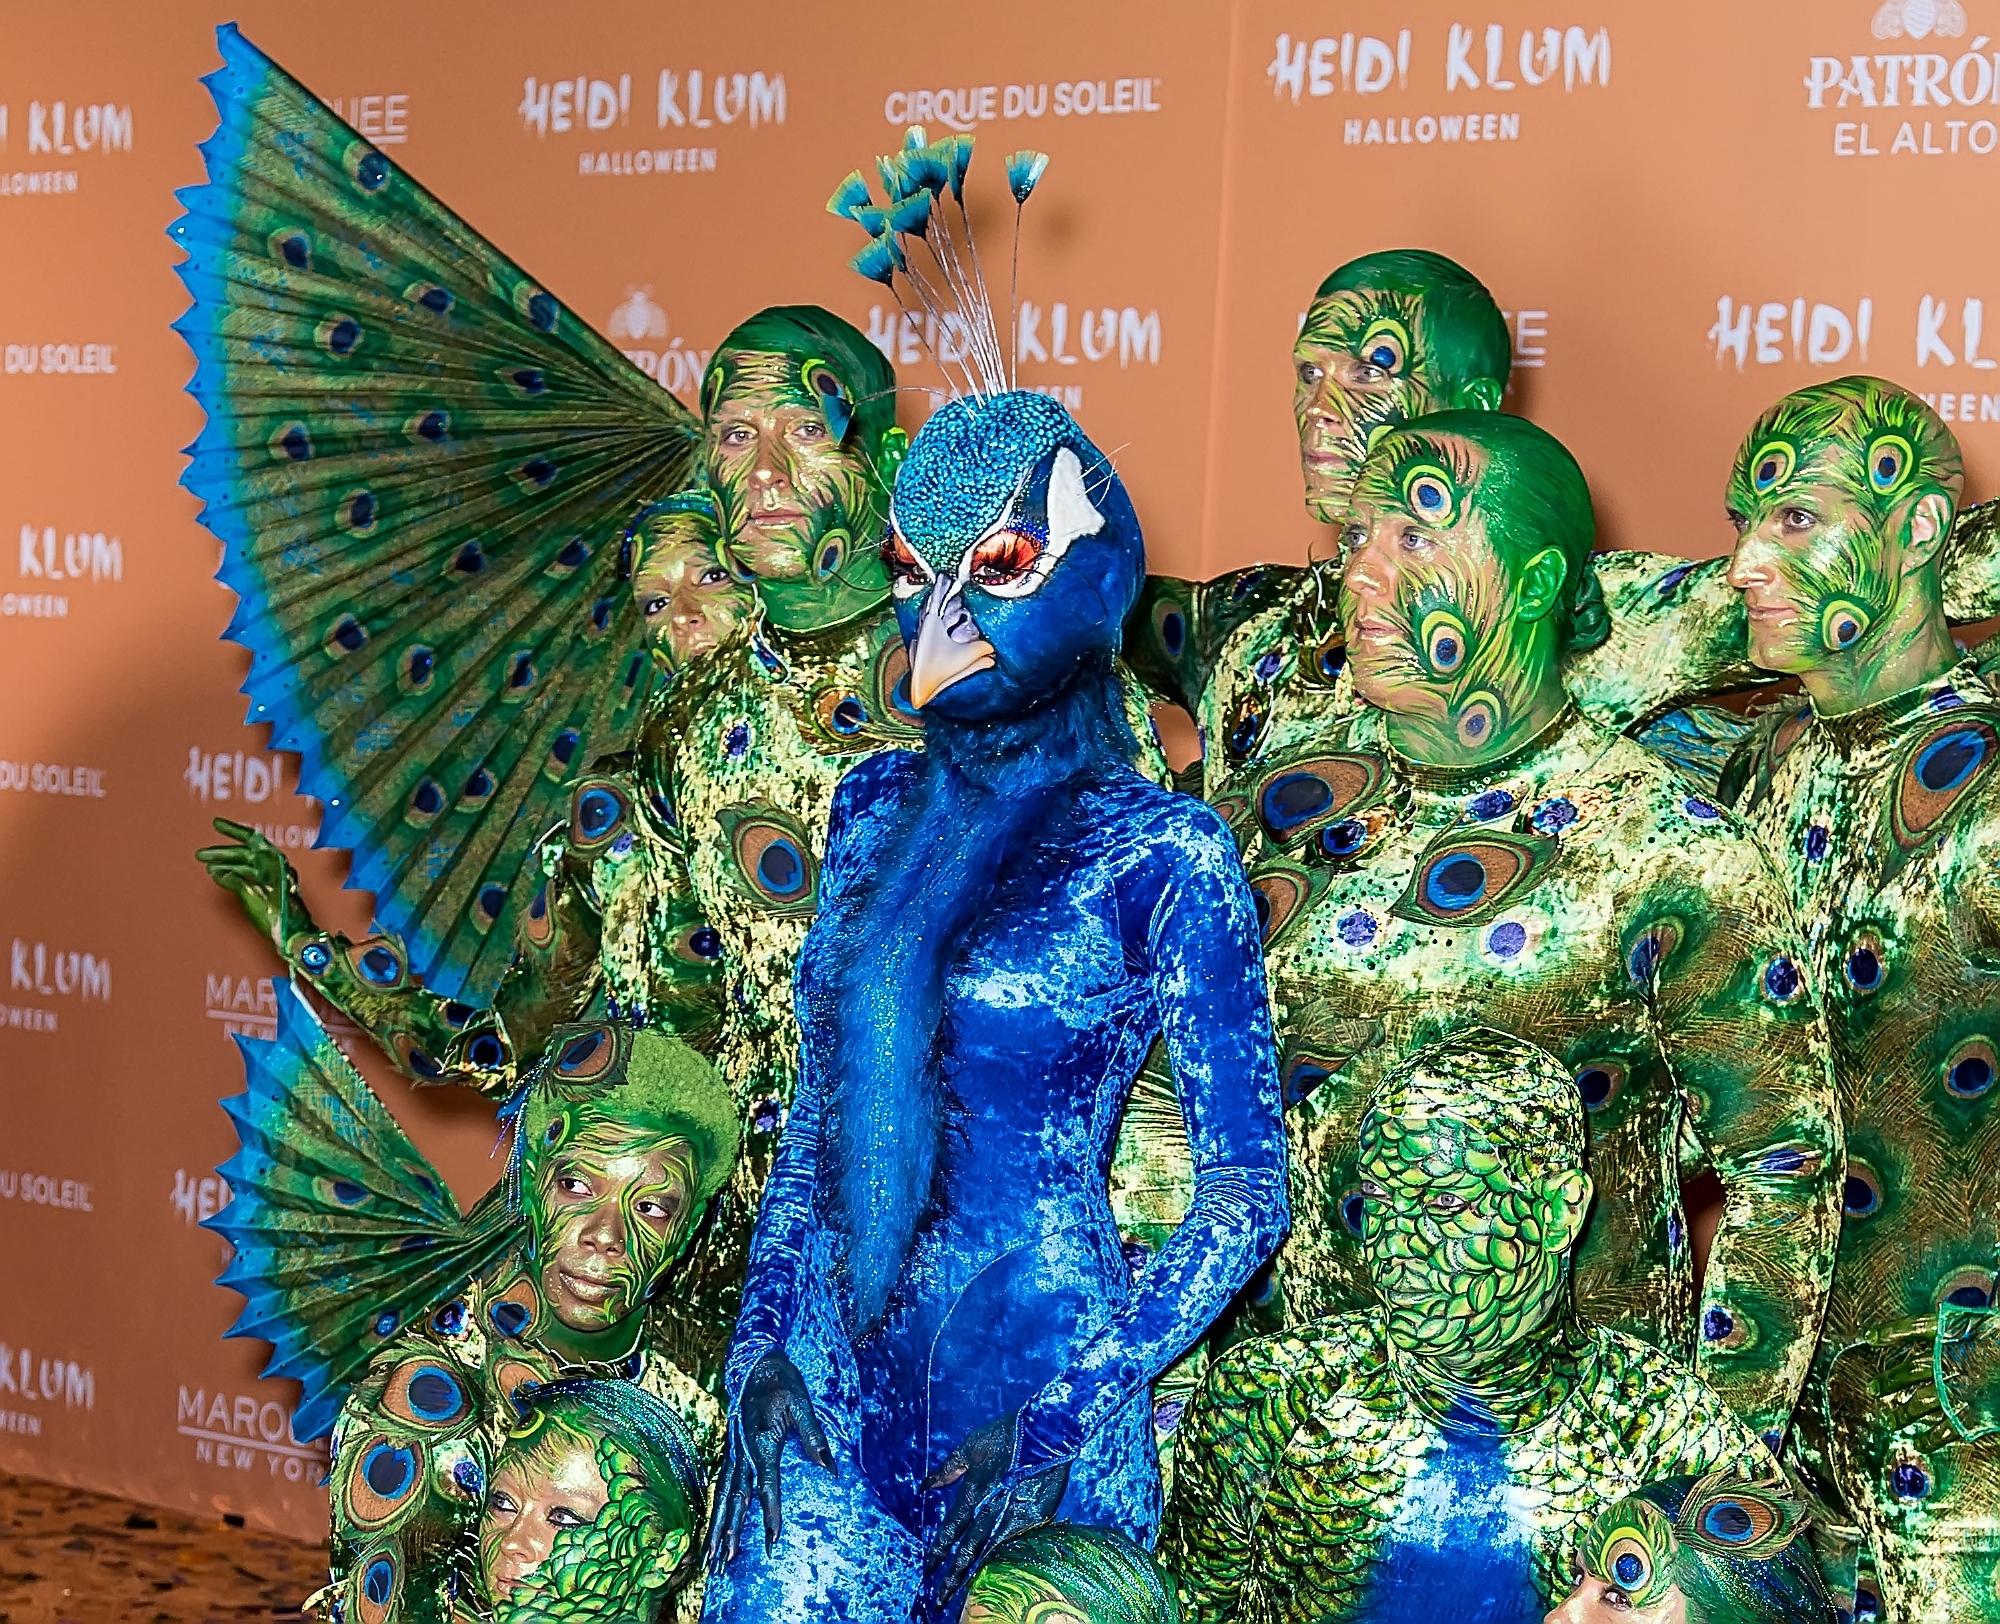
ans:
(1685, 210)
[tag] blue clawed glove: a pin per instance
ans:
(987, 1510)
(772, 1407)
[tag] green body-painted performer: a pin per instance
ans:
(593, 1510)
(1064, 1574)
(1878, 796)
(1718, 1549)
(1388, 337)
(1467, 848)
(1436, 1456)
(420, 1324)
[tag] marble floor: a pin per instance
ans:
(68, 1557)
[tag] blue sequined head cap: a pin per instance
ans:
(968, 463)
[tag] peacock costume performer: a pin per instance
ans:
(446, 507)
(1716, 1549)
(1436, 1454)
(417, 1326)
(1877, 793)
(1256, 653)
(1469, 848)
(937, 1292)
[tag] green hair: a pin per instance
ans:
(808, 333)
(603, 1071)
(1463, 329)
(1101, 1576)
(1535, 496)
(1731, 1544)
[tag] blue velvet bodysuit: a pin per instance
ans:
(1123, 917)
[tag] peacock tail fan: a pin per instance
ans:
(422, 468)
(343, 1233)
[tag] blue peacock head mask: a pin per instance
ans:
(1013, 553)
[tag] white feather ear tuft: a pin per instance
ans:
(1070, 511)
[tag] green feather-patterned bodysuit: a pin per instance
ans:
(1886, 822)
(1303, 1451)
(1578, 894)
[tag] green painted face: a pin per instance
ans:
(1387, 338)
(799, 483)
(1842, 497)
(1473, 1193)
(690, 603)
(589, 1516)
(623, 1137)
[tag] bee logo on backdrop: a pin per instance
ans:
(608, 119)
(47, 146)
(1470, 81)
(639, 326)
(36, 1387)
(1930, 97)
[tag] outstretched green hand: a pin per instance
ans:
(260, 877)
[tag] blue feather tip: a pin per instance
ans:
(1024, 170)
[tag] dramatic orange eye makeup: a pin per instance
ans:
(1002, 559)
(900, 559)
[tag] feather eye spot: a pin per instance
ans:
(1970, 1067)
(538, 472)
(486, 1051)
(509, 1319)
(386, 1323)
(542, 311)
(529, 380)
(470, 559)
(521, 674)
(292, 443)
(348, 1193)
(372, 171)
(419, 665)
(601, 613)
(491, 899)
(478, 788)
(575, 553)
(295, 249)
(379, 965)
(435, 299)
(348, 634)
(360, 512)
(341, 335)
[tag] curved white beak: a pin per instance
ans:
(948, 647)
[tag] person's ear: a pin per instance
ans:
(1479, 394)
(1926, 530)
(1542, 580)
